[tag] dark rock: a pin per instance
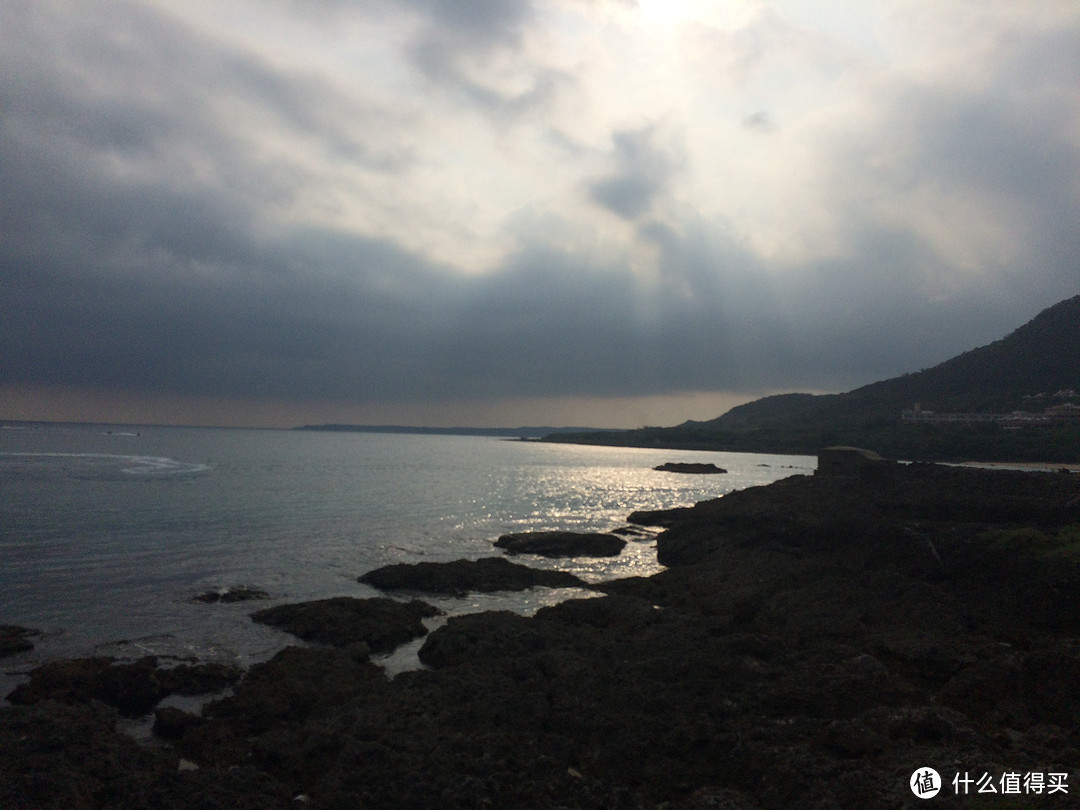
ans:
(462, 576)
(197, 679)
(132, 688)
(52, 755)
(691, 468)
(382, 624)
(625, 612)
(60, 757)
(478, 635)
(15, 639)
(238, 594)
(635, 534)
(293, 683)
(659, 517)
(561, 544)
(171, 723)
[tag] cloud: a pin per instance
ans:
(482, 23)
(975, 165)
(479, 49)
(759, 121)
(643, 171)
(432, 207)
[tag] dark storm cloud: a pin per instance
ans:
(642, 172)
(458, 43)
(141, 247)
(144, 140)
(388, 327)
(135, 77)
(321, 315)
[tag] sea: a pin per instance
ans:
(109, 532)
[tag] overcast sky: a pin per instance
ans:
(507, 212)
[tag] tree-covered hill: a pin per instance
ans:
(1025, 371)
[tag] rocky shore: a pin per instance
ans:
(814, 643)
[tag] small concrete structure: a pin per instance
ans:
(850, 461)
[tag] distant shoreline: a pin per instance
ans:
(530, 432)
(515, 432)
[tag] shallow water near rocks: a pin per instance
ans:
(107, 533)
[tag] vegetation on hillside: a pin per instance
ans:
(1021, 372)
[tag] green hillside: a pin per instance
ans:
(1025, 371)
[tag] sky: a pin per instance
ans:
(520, 212)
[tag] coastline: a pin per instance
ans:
(1032, 466)
(812, 642)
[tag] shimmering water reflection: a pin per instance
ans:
(106, 537)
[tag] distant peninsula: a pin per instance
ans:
(1013, 400)
(516, 432)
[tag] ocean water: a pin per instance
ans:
(108, 532)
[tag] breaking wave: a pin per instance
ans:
(83, 463)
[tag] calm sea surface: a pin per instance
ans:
(107, 532)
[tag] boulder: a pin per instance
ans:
(462, 576)
(561, 544)
(381, 623)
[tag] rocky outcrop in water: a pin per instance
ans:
(690, 468)
(562, 544)
(380, 624)
(462, 576)
(15, 639)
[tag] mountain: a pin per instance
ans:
(1042, 356)
(1029, 370)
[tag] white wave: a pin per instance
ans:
(160, 465)
(132, 465)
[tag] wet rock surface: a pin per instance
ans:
(562, 544)
(131, 688)
(810, 645)
(15, 639)
(240, 593)
(459, 577)
(382, 624)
